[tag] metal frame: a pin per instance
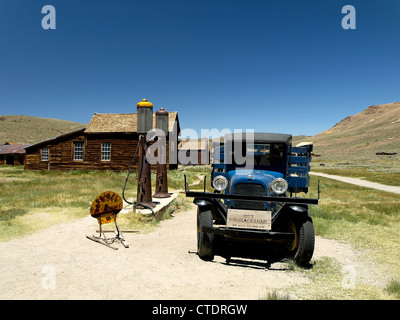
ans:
(102, 239)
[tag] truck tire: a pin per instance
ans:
(306, 244)
(301, 249)
(205, 240)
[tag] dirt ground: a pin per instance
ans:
(61, 263)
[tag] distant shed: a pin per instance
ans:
(194, 152)
(12, 154)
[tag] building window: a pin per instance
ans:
(78, 150)
(105, 151)
(45, 154)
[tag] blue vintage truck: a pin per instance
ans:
(254, 210)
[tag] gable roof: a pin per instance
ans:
(123, 122)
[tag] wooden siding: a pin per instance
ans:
(61, 153)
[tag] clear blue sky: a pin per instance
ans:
(273, 66)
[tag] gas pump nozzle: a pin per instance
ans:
(155, 138)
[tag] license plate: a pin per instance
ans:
(249, 219)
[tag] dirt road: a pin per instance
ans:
(359, 182)
(61, 263)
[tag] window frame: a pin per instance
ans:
(45, 154)
(75, 144)
(105, 151)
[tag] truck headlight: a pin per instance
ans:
(279, 186)
(220, 183)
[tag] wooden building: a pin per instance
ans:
(12, 154)
(194, 152)
(108, 142)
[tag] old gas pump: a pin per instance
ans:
(107, 205)
(144, 125)
(161, 177)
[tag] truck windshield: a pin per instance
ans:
(266, 154)
(263, 154)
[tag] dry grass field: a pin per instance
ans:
(384, 172)
(26, 129)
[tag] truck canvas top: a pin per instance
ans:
(260, 137)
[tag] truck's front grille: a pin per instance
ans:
(249, 189)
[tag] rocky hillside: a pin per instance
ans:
(361, 136)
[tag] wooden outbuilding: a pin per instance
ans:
(108, 142)
(12, 154)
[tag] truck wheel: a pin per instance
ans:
(205, 240)
(301, 248)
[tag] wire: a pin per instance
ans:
(130, 169)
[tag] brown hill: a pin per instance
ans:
(361, 136)
(26, 129)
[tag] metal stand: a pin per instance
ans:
(102, 239)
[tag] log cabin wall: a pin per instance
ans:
(123, 147)
(61, 152)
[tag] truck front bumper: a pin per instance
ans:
(261, 235)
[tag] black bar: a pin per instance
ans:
(254, 234)
(209, 195)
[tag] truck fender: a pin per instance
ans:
(298, 210)
(301, 211)
(201, 202)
